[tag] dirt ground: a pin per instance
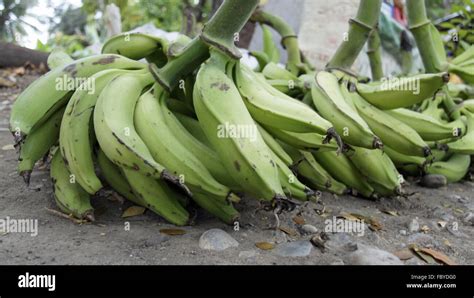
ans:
(440, 213)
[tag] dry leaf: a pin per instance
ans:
(265, 245)
(438, 256)
(425, 229)
(173, 232)
(288, 231)
(299, 220)
(390, 212)
(133, 211)
(442, 223)
(319, 242)
(424, 256)
(8, 147)
(460, 211)
(6, 83)
(404, 254)
(374, 224)
(348, 216)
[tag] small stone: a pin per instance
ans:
(341, 242)
(469, 219)
(216, 239)
(414, 226)
(294, 249)
(337, 263)
(403, 232)
(250, 256)
(454, 197)
(433, 181)
(421, 239)
(309, 229)
(366, 255)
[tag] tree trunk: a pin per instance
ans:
(12, 55)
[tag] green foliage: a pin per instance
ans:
(12, 21)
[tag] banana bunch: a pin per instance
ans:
(226, 132)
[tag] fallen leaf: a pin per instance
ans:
(288, 231)
(425, 229)
(133, 211)
(374, 224)
(6, 83)
(319, 242)
(424, 256)
(348, 216)
(8, 147)
(404, 254)
(438, 256)
(265, 245)
(390, 212)
(460, 211)
(299, 220)
(442, 223)
(173, 232)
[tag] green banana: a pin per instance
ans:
(274, 146)
(274, 72)
(49, 93)
(38, 144)
(136, 46)
(429, 128)
(115, 130)
(58, 57)
(378, 168)
(192, 126)
(224, 211)
(158, 196)
(74, 140)
(390, 130)
(319, 178)
(168, 150)
(464, 145)
(115, 179)
(246, 157)
(400, 160)
(304, 141)
(69, 195)
(454, 169)
(262, 58)
(342, 169)
(402, 92)
(282, 112)
(330, 103)
(269, 46)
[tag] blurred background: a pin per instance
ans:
(81, 26)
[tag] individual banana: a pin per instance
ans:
(454, 169)
(342, 169)
(269, 46)
(246, 157)
(330, 103)
(58, 58)
(402, 92)
(168, 150)
(69, 195)
(282, 112)
(378, 168)
(38, 144)
(74, 140)
(50, 92)
(193, 126)
(274, 72)
(115, 130)
(274, 146)
(429, 128)
(465, 145)
(136, 45)
(390, 130)
(401, 160)
(224, 211)
(158, 196)
(304, 141)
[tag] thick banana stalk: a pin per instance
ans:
(69, 195)
(38, 144)
(378, 168)
(390, 130)
(402, 92)
(429, 128)
(49, 93)
(168, 150)
(232, 131)
(330, 103)
(342, 169)
(374, 51)
(282, 112)
(159, 197)
(454, 169)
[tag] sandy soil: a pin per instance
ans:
(61, 241)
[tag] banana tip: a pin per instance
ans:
(426, 151)
(446, 76)
(26, 176)
(90, 216)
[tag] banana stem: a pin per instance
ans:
(419, 26)
(289, 39)
(375, 55)
(359, 30)
(223, 27)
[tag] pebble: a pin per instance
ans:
(441, 213)
(216, 239)
(403, 232)
(454, 197)
(250, 256)
(433, 181)
(421, 239)
(294, 249)
(337, 263)
(414, 226)
(367, 255)
(309, 229)
(469, 219)
(341, 242)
